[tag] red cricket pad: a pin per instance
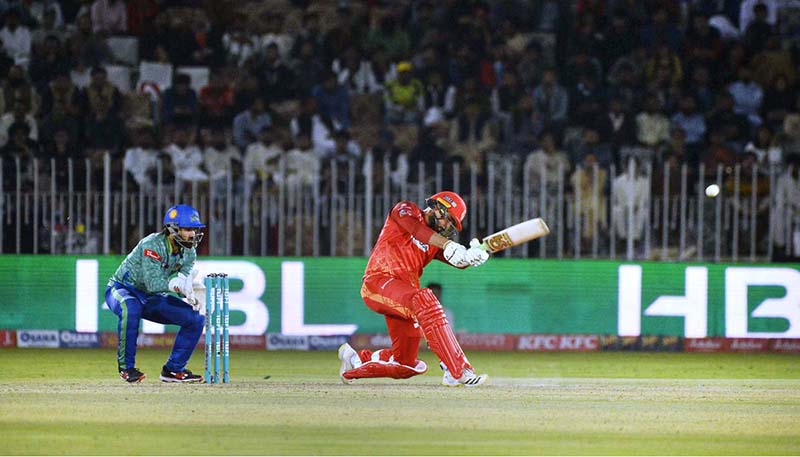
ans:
(381, 369)
(441, 339)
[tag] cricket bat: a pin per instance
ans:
(515, 235)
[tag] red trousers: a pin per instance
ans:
(392, 298)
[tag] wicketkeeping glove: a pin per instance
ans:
(182, 284)
(476, 255)
(455, 254)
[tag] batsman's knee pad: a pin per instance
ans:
(428, 310)
(443, 343)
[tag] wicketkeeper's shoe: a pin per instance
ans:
(347, 355)
(132, 375)
(179, 376)
(469, 378)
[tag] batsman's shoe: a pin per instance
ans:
(347, 355)
(132, 375)
(179, 376)
(469, 378)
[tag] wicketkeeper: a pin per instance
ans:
(156, 281)
(411, 238)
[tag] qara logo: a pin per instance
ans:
(37, 339)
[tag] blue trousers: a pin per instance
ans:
(132, 305)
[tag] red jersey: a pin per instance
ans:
(403, 248)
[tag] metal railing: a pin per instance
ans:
(84, 207)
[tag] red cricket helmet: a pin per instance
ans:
(452, 203)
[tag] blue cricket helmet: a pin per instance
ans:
(183, 216)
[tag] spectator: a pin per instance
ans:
(101, 91)
(779, 100)
(45, 65)
(48, 27)
(652, 125)
(261, 158)
(690, 121)
(764, 148)
(587, 100)
(519, 133)
(591, 143)
(747, 96)
(141, 160)
(103, 130)
(41, 9)
(248, 125)
(617, 127)
(61, 102)
(753, 11)
(220, 159)
(631, 188)
(344, 148)
(61, 147)
(787, 203)
(302, 162)
(179, 103)
(529, 66)
(702, 44)
(187, 159)
(723, 118)
(87, 48)
(625, 86)
(429, 148)
(309, 122)
(438, 97)
(471, 135)
(16, 38)
(618, 40)
(141, 15)
(387, 33)
(276, 79)
(356, 73)
(333, 100)
(400, 165)
(717, 153)
(547, 159)
(17, 88)
(505, 98)
(660, 29)
(216, 101)
(20, 145)
(109, 17)
(19, 115)
(550, 101)
(274, 33)
(308, 68)
(587, 179)
(700, 89)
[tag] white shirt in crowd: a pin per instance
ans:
(139, 162)
(362, 81)
(5, 123)
(302, 167)
(219, 162)
(187, 162)
(629, 188)
(261, 161)
(17, 44)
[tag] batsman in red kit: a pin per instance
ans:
(411, 238)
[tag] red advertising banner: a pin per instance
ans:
(8, 338)
(487, 341)
(547, 343)
(786, 345)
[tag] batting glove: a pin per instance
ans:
(476, 255)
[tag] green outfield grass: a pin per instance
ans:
(72, 402)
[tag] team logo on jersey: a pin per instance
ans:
(152, 254)
(422, 246)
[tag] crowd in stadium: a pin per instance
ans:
(545, 84)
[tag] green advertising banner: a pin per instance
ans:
(320, 296)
